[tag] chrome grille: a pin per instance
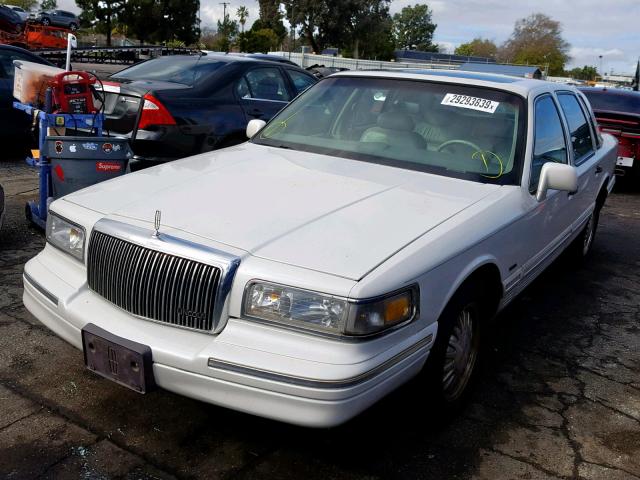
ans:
(152, 284)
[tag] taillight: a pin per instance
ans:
(154, 113)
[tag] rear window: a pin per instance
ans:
(613, 101)
(186, 71)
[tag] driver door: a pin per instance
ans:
(548, 223)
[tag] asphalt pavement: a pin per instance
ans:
(557, 396)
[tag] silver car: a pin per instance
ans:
(59, 18)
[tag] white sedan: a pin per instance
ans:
(366, 234)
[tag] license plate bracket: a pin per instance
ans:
(625, 162)
(118, 359)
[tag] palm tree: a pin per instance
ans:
(242, 13)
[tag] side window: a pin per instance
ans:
(592, 121)
(242, 89)
(267, 84)
(581, 139)
(300, 80)
(549, 141)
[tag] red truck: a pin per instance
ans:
(618, 113)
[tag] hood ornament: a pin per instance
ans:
(156, 223)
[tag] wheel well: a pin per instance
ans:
(487, 279)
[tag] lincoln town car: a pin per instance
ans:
(362, 238)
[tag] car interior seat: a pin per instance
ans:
(267, 88)
(394, 129)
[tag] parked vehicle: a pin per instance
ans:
(22, 13)
(321, 71)
(59, 18)
(10, 21)
(14, 124)
(618, 113)
(377, 222)
(173, 107)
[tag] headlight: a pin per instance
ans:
(66, 236)
(317, 311)
(296, 307)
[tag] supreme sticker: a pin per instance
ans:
(467, 101)
(108, 167)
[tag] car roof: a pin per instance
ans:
(521, 86)
(241, 57)
(13, 48)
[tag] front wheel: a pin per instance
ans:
(453, 360)
(73, 27)
(582, 245)
(46, 22)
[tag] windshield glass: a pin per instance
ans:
(453, 130)
(187, 71)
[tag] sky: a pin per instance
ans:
(592, 27)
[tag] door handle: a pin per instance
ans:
(255, 113)
(598, 169)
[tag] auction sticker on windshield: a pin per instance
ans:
(466, 101)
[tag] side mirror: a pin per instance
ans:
(556, 176)
(254, 126)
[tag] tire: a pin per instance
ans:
(73, 27)
(453, 361)
(582, 245)
(46, 22)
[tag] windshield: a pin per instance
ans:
(453, 130)
(187, 71)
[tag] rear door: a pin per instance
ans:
(585, 157)
(262, 92)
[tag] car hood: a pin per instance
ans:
(333, 215)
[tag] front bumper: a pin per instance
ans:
(234, 369)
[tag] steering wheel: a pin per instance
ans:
(461, 142)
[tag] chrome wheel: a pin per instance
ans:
(587, 239)
(461, 354)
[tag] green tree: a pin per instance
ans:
(362, 27)
(270, 17)
(242, 13)
(413, 27)
(162, 21)
(537, 40)
(368, 31)
(478, 47)
(48, 5)
(262, 40)
(585, 73)
(141, 18)
(101, 14)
